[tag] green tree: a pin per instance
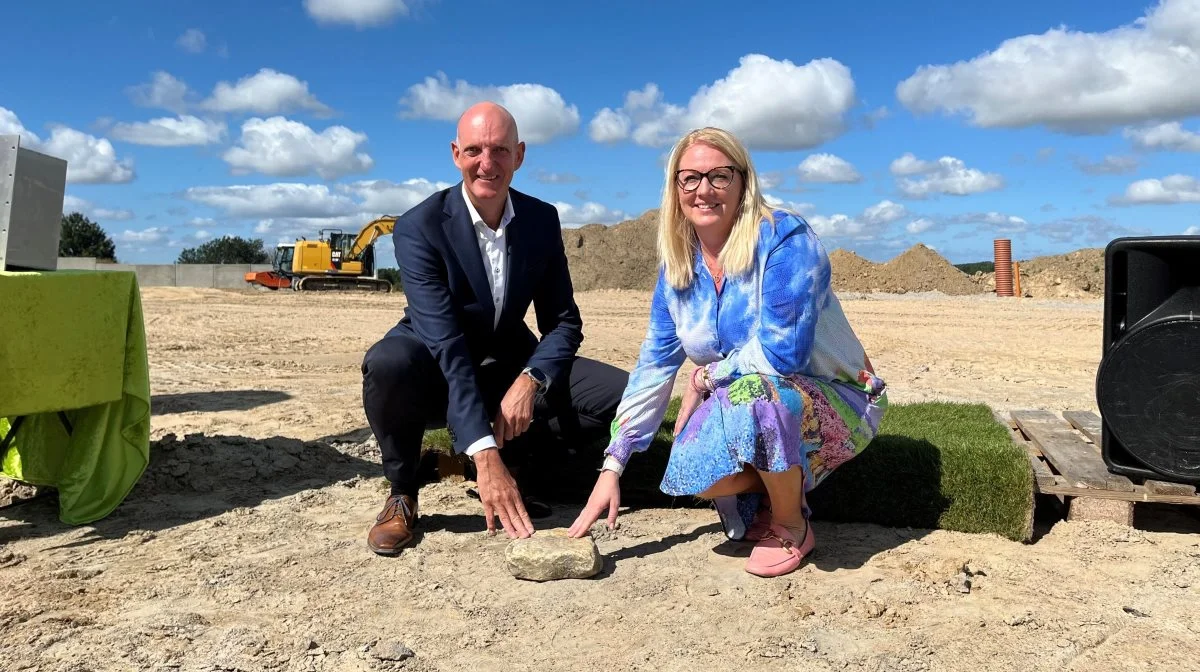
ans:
(81, 237)
(226, 250)
(392, 275)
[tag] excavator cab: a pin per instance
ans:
(284, 254)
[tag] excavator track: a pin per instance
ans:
(334, 283)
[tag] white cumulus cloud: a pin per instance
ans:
(90, 160)
(918, 178)
(359, 13)
(837, 226)
(281, 199)
(767, 103)
(73, 203)
(884, 212)
(282, 147)
(163, 91)
(802, 209)
(391, 198)
(1074, 81)
(181, 131)
(920, 225)
(828, 168)
(541, 113)
(151, 236)
(265, 92)
(1168, 190)
(588, 213)
(1170, 136)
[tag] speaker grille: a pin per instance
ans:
(1148, 391)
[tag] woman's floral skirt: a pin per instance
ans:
(772, 424)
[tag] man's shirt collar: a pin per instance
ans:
(477, 220)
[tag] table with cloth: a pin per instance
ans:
(74, 387)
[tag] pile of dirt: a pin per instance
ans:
(624, 256)
(1075, 275)
(621, 256)
(917, 269)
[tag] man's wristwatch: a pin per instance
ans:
(538, 377)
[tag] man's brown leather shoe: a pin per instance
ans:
(393, 526)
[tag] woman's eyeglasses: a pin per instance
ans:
(719, 177)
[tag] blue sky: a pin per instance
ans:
(1059, 125)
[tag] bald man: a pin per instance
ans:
(473, 258)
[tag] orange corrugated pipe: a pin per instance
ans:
(1002, 250)
(1016, 273)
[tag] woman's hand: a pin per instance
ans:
(692, 398)
(606, 496)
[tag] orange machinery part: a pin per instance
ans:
(268, 279)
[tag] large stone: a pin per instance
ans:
(550, 554)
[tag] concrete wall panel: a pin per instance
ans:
(230, 276)
(156, 275)
(221, 276)
(76, 263)
(195, 275)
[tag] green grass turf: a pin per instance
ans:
(933, 465)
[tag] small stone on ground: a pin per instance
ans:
(550, 555)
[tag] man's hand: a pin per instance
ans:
(500, 496)
(516, 410)
(691, 399)
(606, 497)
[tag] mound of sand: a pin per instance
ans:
(918, 269)
(624, 256)
(621, 256)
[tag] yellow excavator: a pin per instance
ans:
(339, 261)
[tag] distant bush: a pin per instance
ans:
(976, 267)
(226, 250)
(392, 275)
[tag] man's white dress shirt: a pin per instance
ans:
(493, 246)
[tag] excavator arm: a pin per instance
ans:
(370, 233)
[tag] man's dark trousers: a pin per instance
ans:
(405, 393)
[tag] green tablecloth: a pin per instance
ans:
(75, 341)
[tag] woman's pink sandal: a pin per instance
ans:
(779, 552)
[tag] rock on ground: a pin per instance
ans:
(552, 555)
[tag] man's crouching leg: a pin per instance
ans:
(403, 393)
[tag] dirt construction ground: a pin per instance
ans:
(243, 547)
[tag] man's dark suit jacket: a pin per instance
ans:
(450, 305)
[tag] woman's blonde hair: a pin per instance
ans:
(677, 239)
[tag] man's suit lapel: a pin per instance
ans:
(463, 240)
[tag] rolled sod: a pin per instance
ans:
(933, 465)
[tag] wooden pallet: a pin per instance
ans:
(1065, 456)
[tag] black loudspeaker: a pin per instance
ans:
(1148, 382)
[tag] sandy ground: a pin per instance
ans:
(243, 546)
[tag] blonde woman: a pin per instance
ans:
(783, 392)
